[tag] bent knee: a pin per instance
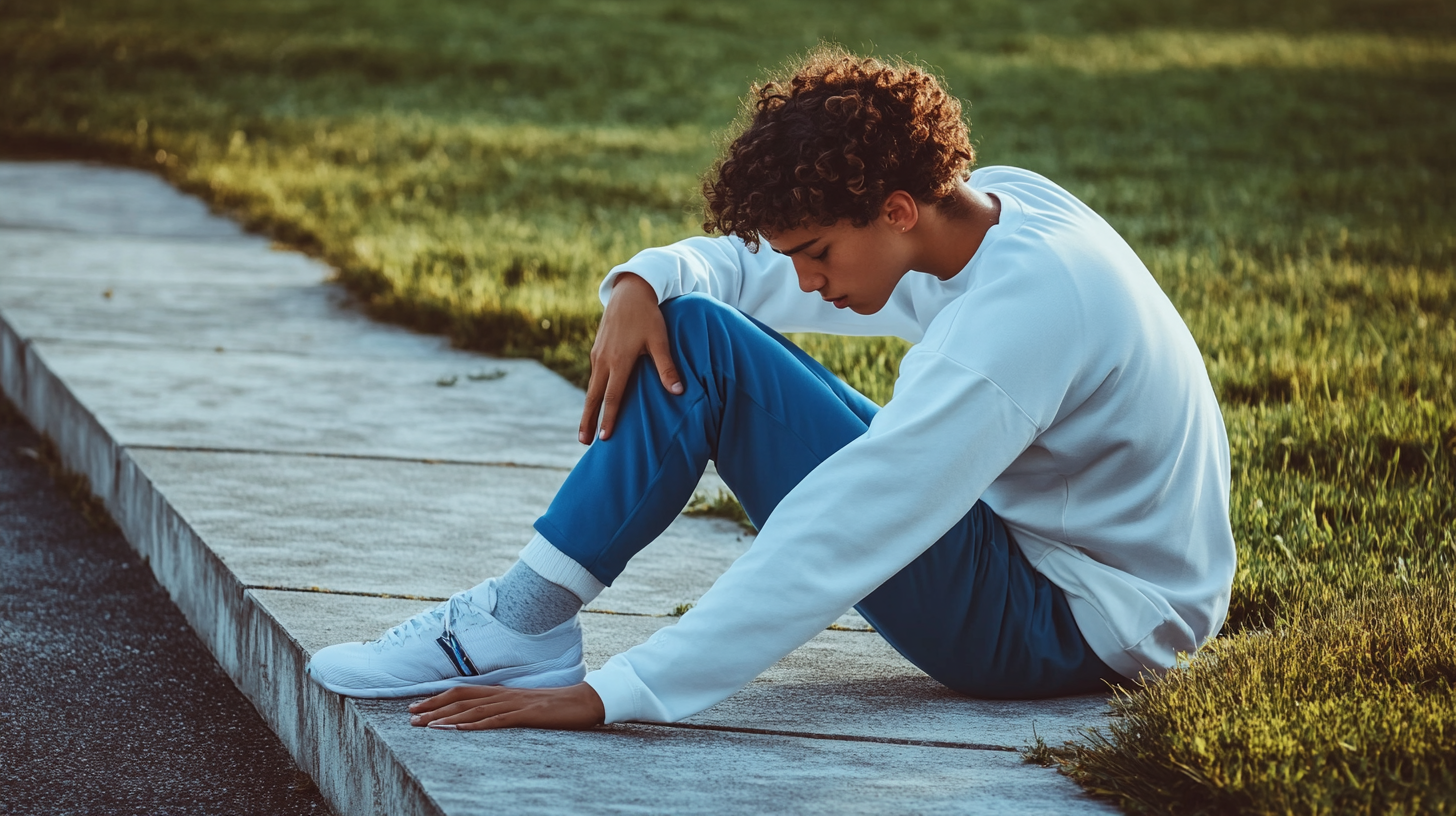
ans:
(701, 316)
(700, 325)
(695, 308)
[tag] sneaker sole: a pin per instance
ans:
(512, 677)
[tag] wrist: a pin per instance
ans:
(591, 702)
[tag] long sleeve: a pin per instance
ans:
(922, 464)
(762, 284)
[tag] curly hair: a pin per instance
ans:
(832, 142)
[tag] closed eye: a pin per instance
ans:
(821, 255)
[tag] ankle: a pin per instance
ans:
(531, 605)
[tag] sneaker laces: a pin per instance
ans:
(414, 627)
(454, 650)
(461, 597)
(424, 625)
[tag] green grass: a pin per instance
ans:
(719, 504)
(1369, 731)
(1284, 170)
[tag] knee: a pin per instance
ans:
(705, 331)
(694, 311)
(696, 323)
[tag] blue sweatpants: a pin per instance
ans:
(970, 611)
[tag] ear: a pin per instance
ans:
(900, 212)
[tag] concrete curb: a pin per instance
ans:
(330, 741)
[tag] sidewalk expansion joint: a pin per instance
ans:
(367, 457)
(772, 732)
(238, 282)
(403, 597)
(50, 340)
(145, 236)
(398, 596)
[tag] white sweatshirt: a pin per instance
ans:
(1050, 377)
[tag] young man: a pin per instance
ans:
(1041, 509)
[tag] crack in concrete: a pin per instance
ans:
(773, 732)
(367, 457)
(160, 238)
(397, 596)
(50, 340)
(235, 282)
(833, 627)
(322, 591)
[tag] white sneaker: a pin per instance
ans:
(456, 643)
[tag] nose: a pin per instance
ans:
(808, 281)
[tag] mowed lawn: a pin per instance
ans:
(1285, 170)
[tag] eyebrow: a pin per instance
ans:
(799, 248)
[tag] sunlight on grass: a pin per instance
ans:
(1161, 50)
(1375, 675)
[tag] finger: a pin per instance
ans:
(454, 694)
(595, 388)
(427, 717)
(612, 399)
(508, 719)
(662, 357)
(518, 717)
(445, 697)
(474, 714)
(431, 703)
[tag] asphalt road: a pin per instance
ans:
(109, 703)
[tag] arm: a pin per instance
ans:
(632, 323)
(762, 284)
(722, 268)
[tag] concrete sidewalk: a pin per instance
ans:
(296, 475)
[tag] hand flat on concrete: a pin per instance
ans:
(631, 326)
(478, 708)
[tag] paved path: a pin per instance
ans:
(98, 663)
(295, 476)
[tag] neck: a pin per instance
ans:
(949, 234)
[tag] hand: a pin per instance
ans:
(631, 326)
(477, 708)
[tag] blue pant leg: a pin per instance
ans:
(974, 614)
(759, 407)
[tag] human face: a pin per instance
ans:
(852, 267)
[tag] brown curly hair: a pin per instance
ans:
(832, 142)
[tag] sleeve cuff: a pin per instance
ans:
(618, 692)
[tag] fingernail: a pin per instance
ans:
(442, 727)
(583, 438)
(677, 388)
(604, 433)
